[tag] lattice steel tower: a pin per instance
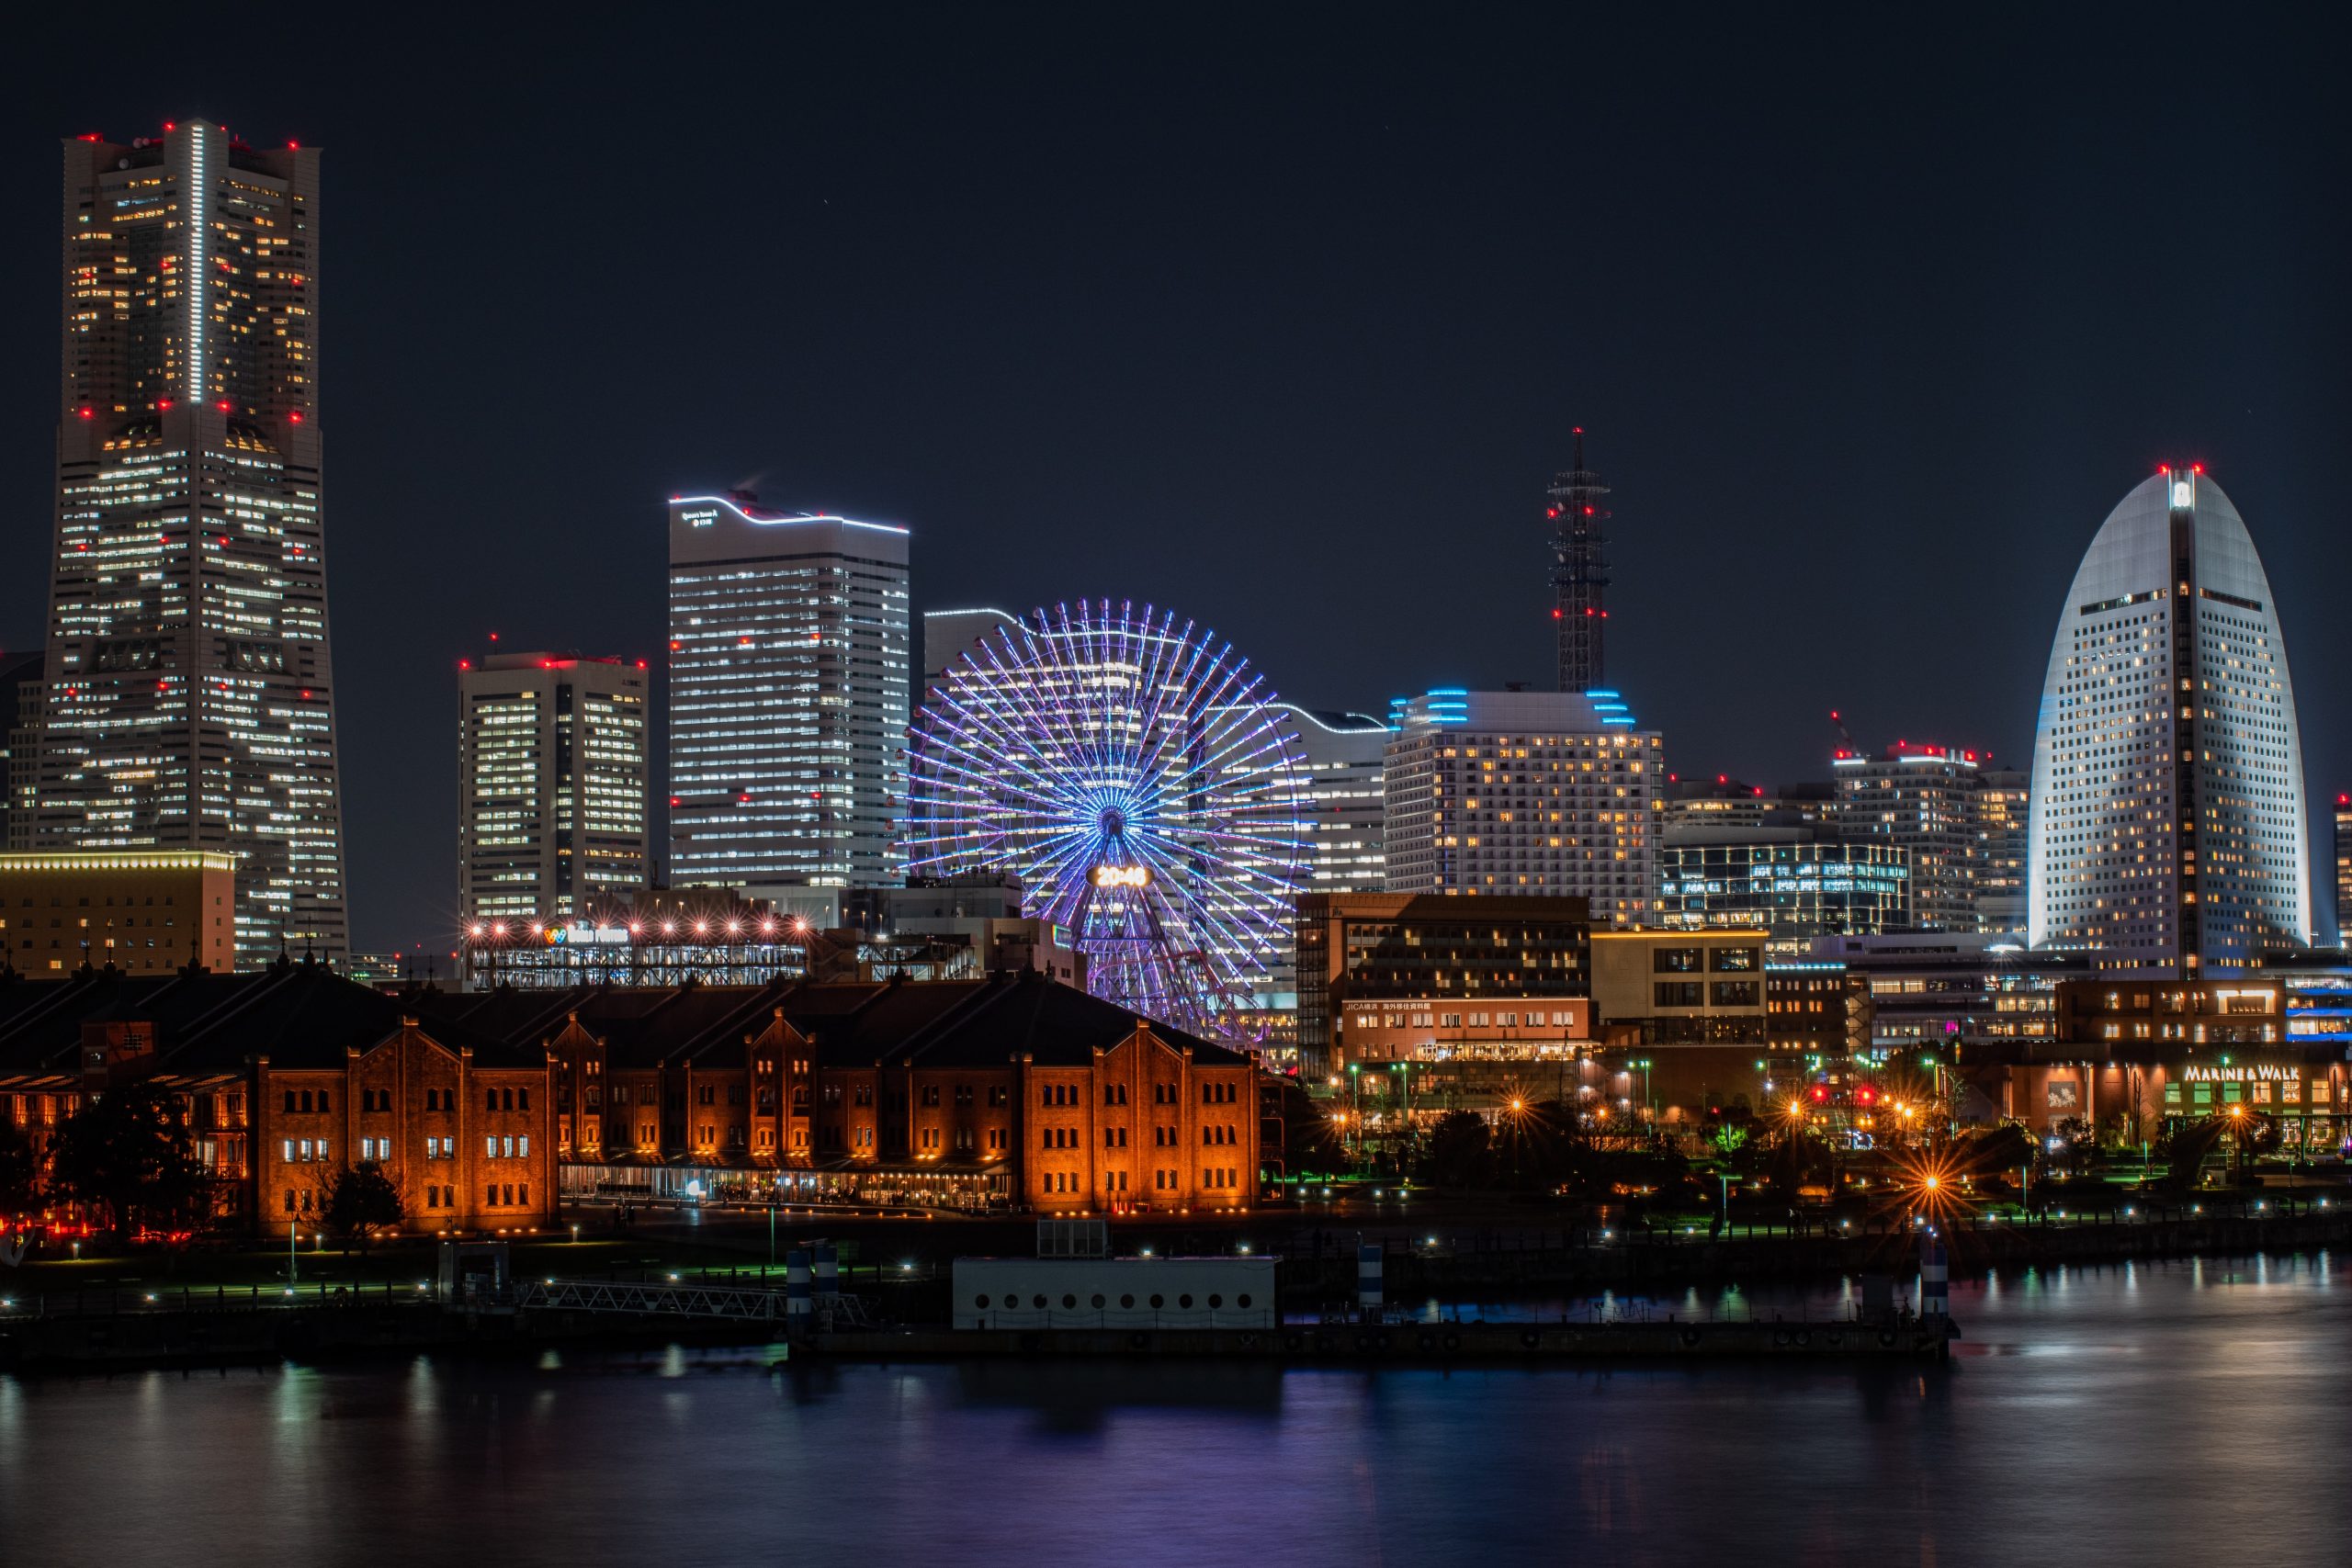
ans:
(1580, 571)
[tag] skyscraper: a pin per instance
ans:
(22, 689)
(550, 785)
(1579, 573)
(1927, 801)
(788, 696)
(2168, 815)
(2343, 863)
(2004, 844)
(1343, 758)
(191, 695)
(1529, 794)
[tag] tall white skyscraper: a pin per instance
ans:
(2168, 831)
(1530, 794)
(788, 696)
(551, 785)
(1343, 756)
(190, 700)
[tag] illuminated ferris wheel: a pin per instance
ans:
(1137, 779)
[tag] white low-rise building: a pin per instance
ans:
(1115, 1292)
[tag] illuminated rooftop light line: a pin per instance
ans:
(780, 521)
(196, 220)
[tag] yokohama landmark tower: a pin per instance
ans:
(190, 697)
(1580, 572)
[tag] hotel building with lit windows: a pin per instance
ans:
(2168, 831)
(1342, 761)
(189, 692)
(2343, 858)
(2004, 847)
(1924, 800)
(551, 785)
(1370, 956)
(788, 696)
(1530, 794)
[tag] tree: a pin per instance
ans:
(20, 1172)
(1457, 1151)
(1309, 1142)
(1995, 1150)
(363, 1201)
(126, 1158)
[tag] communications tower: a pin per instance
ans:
(1580, 571)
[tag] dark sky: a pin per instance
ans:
(1281, 317)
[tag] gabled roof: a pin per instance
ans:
(41, 1020)
(298, 1015)
(305, 1015)
(1055, 1026)
(942, 1024)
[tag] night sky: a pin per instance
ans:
(1279, 316)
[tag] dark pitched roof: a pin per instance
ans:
(1055, 1026)
(299, 1015)
(504, 1013)
(306, 1015)
(884, 1021)
(44, 1031)
(977, 1022)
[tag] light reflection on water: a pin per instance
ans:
(2119, 1414)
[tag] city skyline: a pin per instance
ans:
(1796, 510)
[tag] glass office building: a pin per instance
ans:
(1783, 881)
(788, 696)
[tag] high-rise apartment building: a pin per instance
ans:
(2343, 863)
(1923, 800)
(551, 786)
(1572, 505)
(787, 696)
(191, 695)
(1533, 794)
(2168, 833)
(1342, 760)
(948, 635)
(1705, 805)
(22, 689)
(2004, 847)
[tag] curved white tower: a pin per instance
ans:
(2167, 803)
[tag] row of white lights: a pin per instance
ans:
(636, 928)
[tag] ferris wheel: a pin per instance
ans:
(1138, 780)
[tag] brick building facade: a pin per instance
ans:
(1011, 1090)
(486, 1109)
(286, 1076)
